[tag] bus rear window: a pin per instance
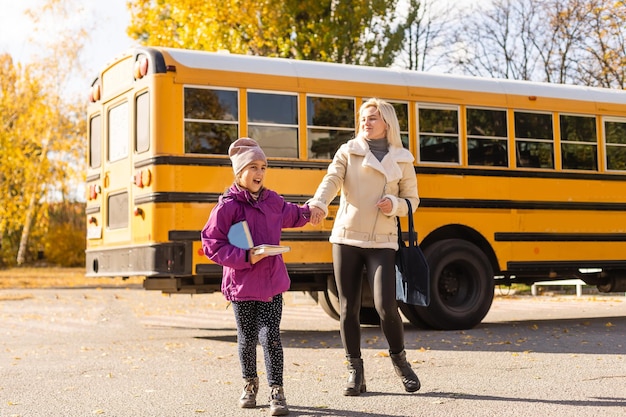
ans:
(211, 120)
(118, 132)
(142, 123)
(95, 142)
(118, 211)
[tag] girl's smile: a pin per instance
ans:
(251, 177)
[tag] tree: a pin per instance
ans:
(562, 41)
(355, 31)
(427, 33)
(22, 110)
(494, 40)
(42, 137)
(605, 62)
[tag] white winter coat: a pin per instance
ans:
(363, 180)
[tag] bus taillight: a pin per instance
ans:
(94, 93)
(143, 178)
(141, 67)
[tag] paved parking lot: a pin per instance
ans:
(130, 352)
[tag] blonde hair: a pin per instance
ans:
(388, 114)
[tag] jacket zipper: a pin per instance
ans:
(373, 232)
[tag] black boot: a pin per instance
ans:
(356, 378)
(403, 369)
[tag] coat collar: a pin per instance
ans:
(240, 194)
(388, 166)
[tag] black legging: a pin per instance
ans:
(260, 321)
(348, 262)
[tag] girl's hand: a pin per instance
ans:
(385, 205)
(256, 258)
(317, 215)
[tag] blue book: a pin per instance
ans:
(239, 235)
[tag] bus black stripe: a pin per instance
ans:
(193, 235)
(559, 237)
(419, 170)
(178, 197)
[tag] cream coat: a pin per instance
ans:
(363, 180)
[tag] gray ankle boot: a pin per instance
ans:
(403, 370)
(278, 403)
(250, 389)
(356, 378)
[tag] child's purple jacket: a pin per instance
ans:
(266, 217)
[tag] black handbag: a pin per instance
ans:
(412, 272)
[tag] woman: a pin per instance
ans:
(374, 174)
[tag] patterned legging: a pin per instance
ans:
(259, 321)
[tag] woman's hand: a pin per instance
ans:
(385, 205)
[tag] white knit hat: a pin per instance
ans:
(244, 151)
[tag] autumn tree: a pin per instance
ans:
(41, 139)
(604, 64)
(356, 32)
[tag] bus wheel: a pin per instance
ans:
(410, 312)
(461, 285)
(328, 299)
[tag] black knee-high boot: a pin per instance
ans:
(403, 369)
(355, 384)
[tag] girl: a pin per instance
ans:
(254, 283)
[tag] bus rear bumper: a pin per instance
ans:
(159, 260)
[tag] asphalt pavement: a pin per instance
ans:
(131, 352)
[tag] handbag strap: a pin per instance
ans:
(412, 234)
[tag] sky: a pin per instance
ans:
(108, 39)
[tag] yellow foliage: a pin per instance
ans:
(41, 134)
(347, 32)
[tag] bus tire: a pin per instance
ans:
(461, 286)
(328, 299)
(411, 314)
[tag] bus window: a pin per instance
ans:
(142, 123)
(534, 140)
(330, 123)
(118, 132)
(579, 149)
(615, 144)
(118, 211)
(211, 120)
(273, 122)
(95, 142)
(487, 137)
(438, 135)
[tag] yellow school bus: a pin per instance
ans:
(519, 181)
